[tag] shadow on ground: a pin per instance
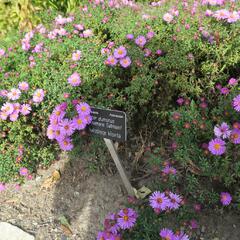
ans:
(85, 200)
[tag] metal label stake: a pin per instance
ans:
(111, 125)
(119, 166)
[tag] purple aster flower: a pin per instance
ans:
(112, 61)
(193, 224)
(23, 171)
(2, 52)
(88, 119)
(130, 36)
(159, 201)
(225, 91)
(181, 236)
(79, 122)
(225, 198)
(126, 218)
(217, 146)
(125, 62)
(150, 35)
(222, 131)
(120, 52)
(180, 101)
(169, 170)
(14, 94)
(38, 96)
(110, 223)
(140, 41)
(166, 234)
(74, 80)
(58, 113)
(83, 109)
(2, 187)
(25, 109)
(232, 81)
(235, 136)
(67, 127)
(23, 86)
(236, 103)
(175, 201)
(66, 144)
(58, 134)
(233, 17)
(8, 108)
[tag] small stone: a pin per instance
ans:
(11, 232)
(203, 229)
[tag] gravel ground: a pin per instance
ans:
(83, 200)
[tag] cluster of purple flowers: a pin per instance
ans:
(119, 56)
(61, 128)
(168, 234)
(13, 110)
(115, 223)
(161, 201)
(217, 146)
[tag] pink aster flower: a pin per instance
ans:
(74, 80)
(140, 41)
(3, 116)
(66, 144)
(67, 127)
(23, 171)
(38, 96)
(180, 101)
(222, 131)
(120, 52)
(221, 14)
(236, 103)
(112, 61)
(25, 109)
(217, 146)
(225, 198)
(235, 136)
(110, 223)
(23, 86)
(2, 52)
(167, 17)
(8, 108)
(79, 123)
(175, 201)
(126, 218)
(194, 224)
(159, 201)
(14, 94)
(233, 17)
(125, 62)
(50, 132)
(14, 116)
(76, 55)
(2, 187)
(3, 93)
(87, 33)
(105, 51)
(79, 27)
(83, 109)
(232, 81)
(58, 113)
(166, 234)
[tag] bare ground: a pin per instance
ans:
(83, 200)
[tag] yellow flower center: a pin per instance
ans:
(125, 218)
(79, 121)
(84, 108)
(217, 146)
(159, 200)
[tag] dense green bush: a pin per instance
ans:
(186, 56)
